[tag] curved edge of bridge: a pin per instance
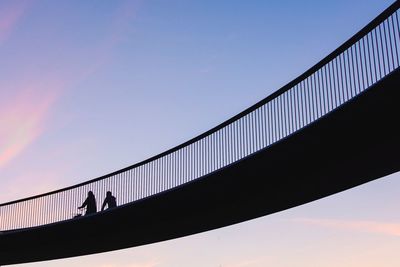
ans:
(352, 145)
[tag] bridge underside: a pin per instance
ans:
(357, 143)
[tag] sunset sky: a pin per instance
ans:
(89, 87)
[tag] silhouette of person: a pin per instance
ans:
(90, 204)
(109, 200)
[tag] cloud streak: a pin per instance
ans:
(392, 229)
(25, 107)
(9, 17)
(23, 120)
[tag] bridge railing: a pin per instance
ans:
(363, 60)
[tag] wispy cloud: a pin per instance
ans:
(25, 107)
(375, 227)
(22, 119)
(9, 17)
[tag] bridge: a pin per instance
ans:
(332, 128)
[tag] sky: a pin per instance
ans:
(89, 87)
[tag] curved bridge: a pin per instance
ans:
(332, 128)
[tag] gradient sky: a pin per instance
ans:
(88, 87)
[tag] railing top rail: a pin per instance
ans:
(354, 39)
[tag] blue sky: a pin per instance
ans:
(88, 87)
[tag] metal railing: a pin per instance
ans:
(363, 60)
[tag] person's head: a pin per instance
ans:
(108, 194)
(90, 194)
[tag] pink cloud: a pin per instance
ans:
(392, 229)
(24, 115)
(9, 16)
(23, 120)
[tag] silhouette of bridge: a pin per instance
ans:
(332, 128)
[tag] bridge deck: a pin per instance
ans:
(354, 144)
